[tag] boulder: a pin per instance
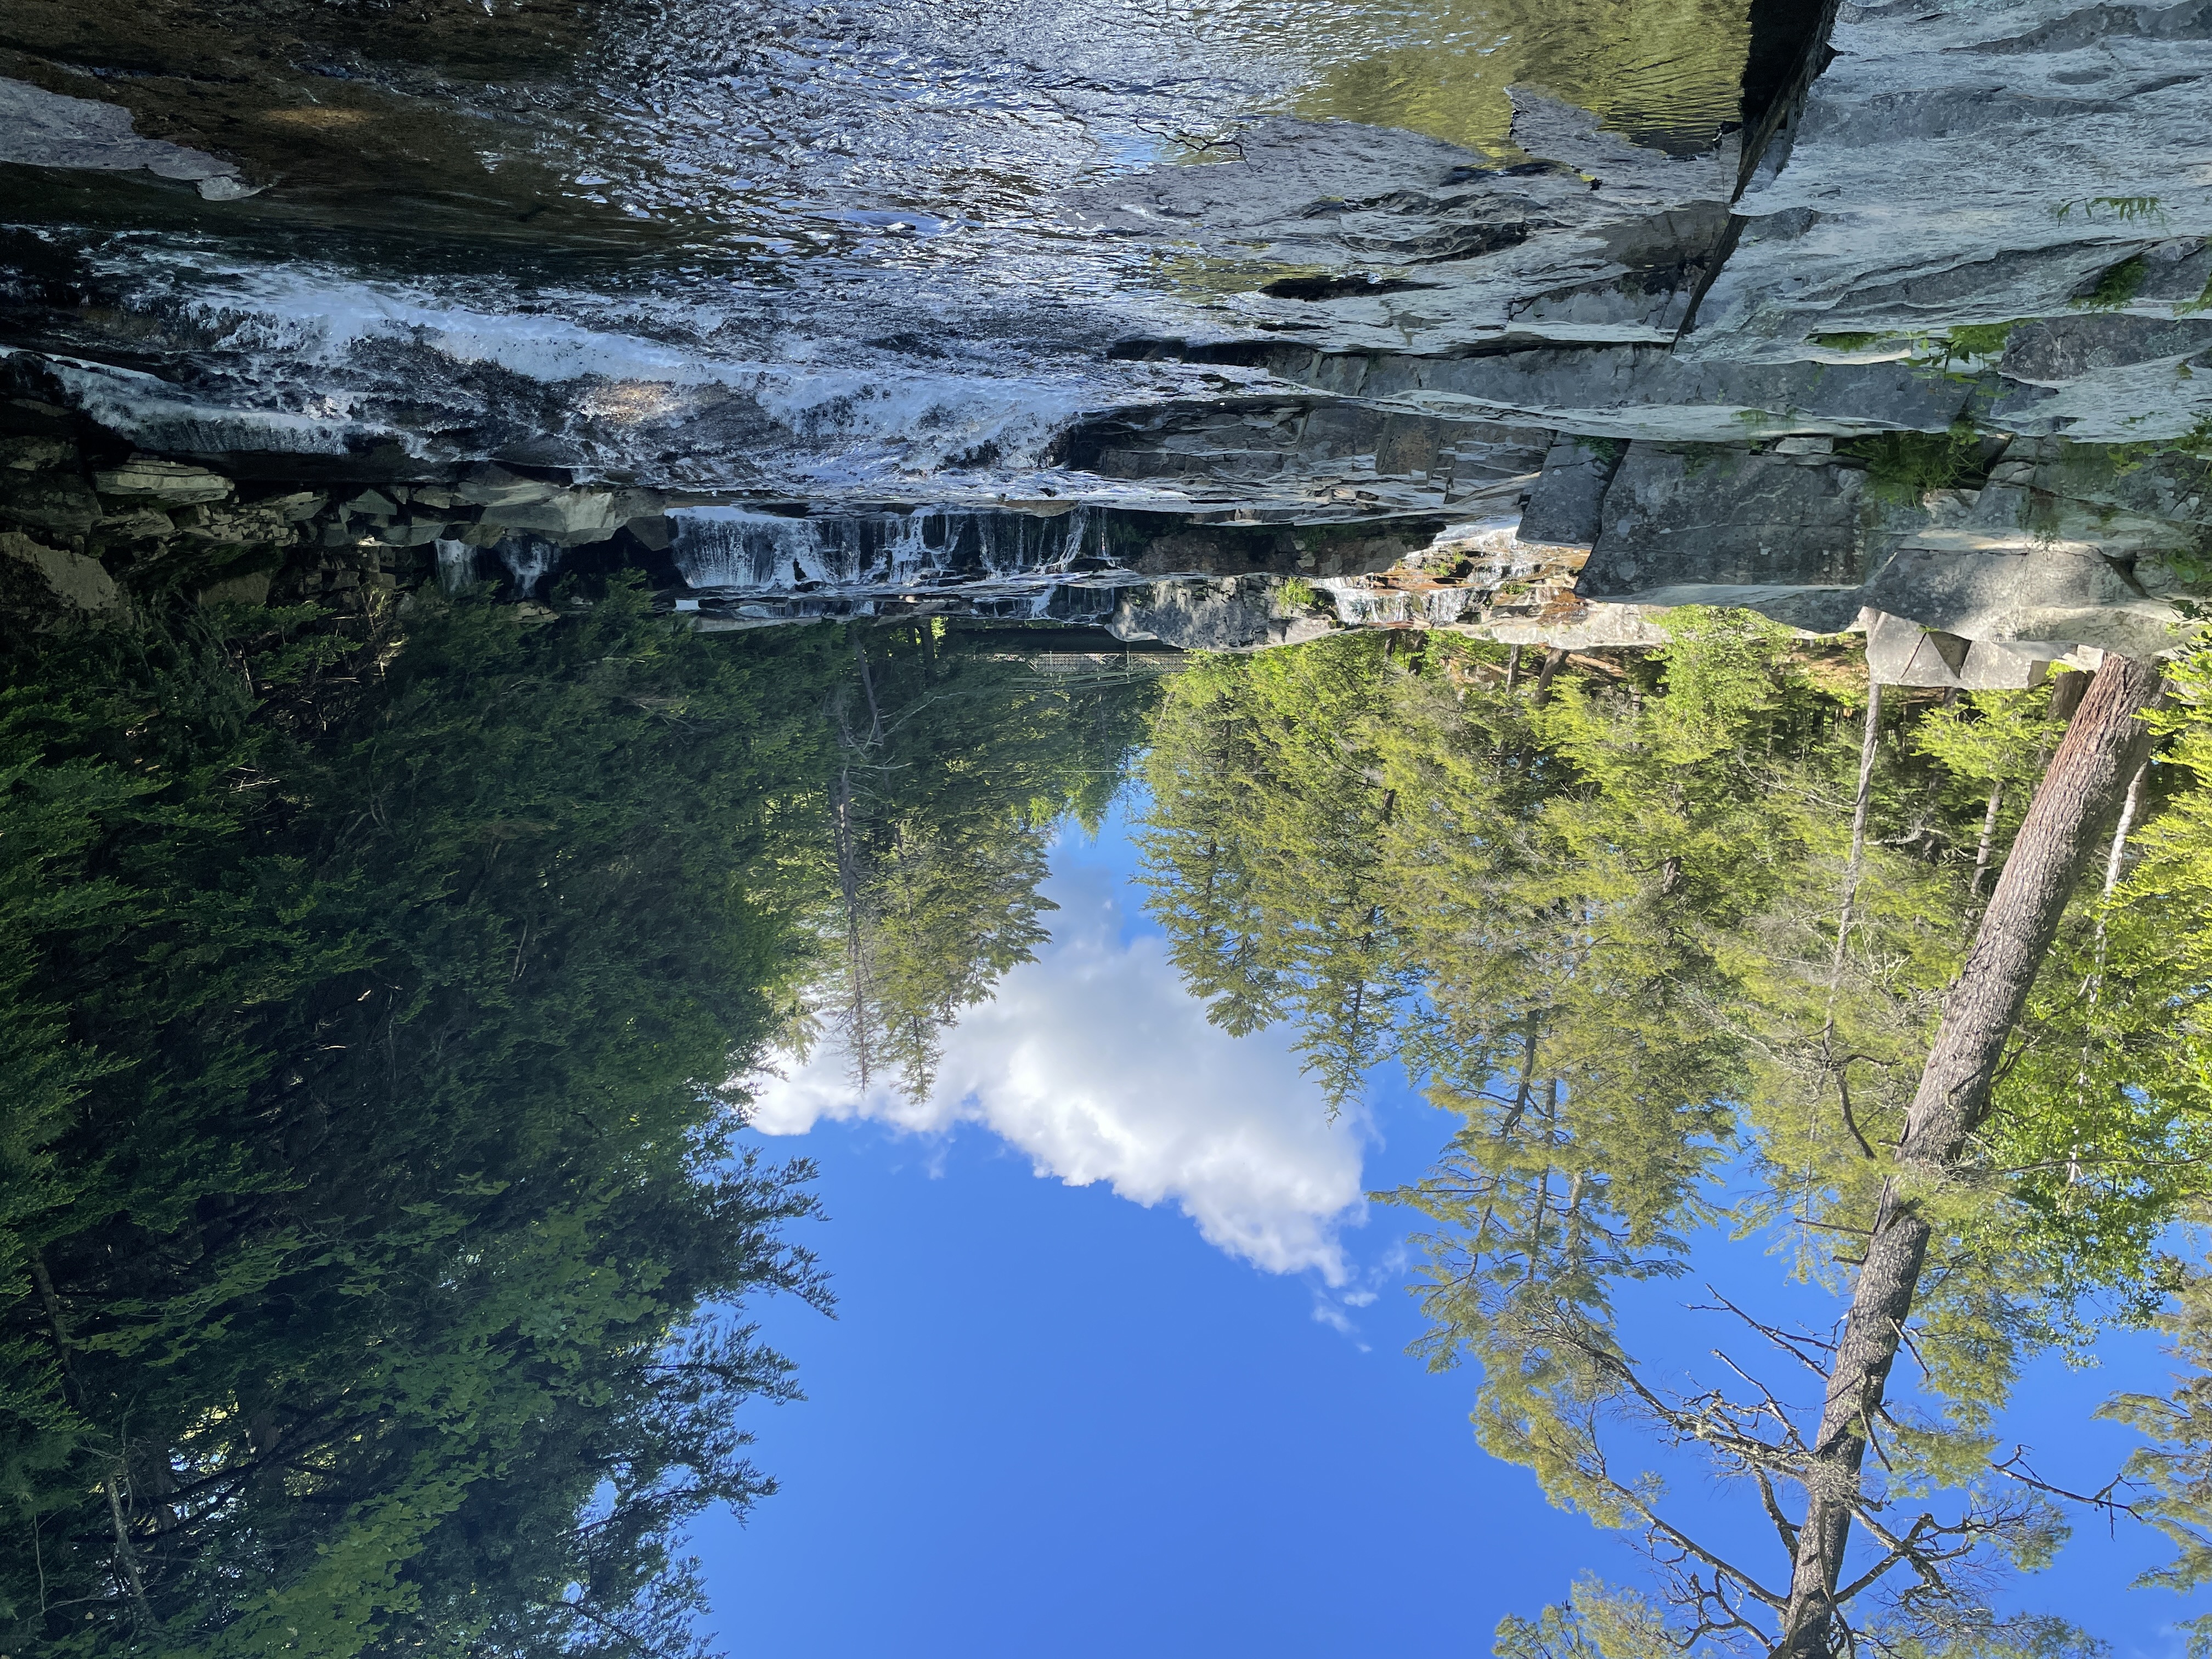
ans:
(45, 129)
(1222, 613)
(1902, 653)
(371, 503)
(252, 588)
(1676, 519)
(61, 505)
(1899, 652)
(35, 454)
(73, 578)
(552, 511)
(1565, 507)
(2046, 599)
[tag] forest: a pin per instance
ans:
(380, 1232)
(1674, 940)
(376, 1233)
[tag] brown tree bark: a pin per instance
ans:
(2103, 747)
(1552, 660)
(1989, 838)
(1862, 805)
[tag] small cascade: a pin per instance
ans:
(457, 566)
(1471, 573)
(742, 551)
(1359, 605)
(529, 560)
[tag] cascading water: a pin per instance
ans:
(456, 566)
(739, 551)
(529, 560)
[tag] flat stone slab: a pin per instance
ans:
(1725, 518)
(2046, 600)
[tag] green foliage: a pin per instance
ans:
(2118, 286)
(1850, 341)
(952, 768)
(2174, 1469)
(370, 1007)
(1607, 924)
(1904, 466)
(1296, 594)
(2125, 209)
(2154, 982)
(376, 1158)
(1254, 762)
(1599, 1622)
(1969, 340)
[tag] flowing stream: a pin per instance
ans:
(1632, 572)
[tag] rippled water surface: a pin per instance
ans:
(836, 245)
(1521, 678)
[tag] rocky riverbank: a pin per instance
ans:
(1912, 342)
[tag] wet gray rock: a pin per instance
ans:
(1319, 460)
(33, 454)
(73, 579)
(2054, 350)
(558, 513)
(1643, 391)
(1429, 245)
(172, 483)
(1902, 653)
(2046, 599)
(1676, 519)
(1970, 165)
(59, 504)
(1566, 503)
(1226, 613)
(44, 128)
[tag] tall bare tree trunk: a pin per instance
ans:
(126, 1556)
(1989, 838)
(1862, 805)
(2103, 747)
(1553, 659)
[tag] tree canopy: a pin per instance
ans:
(1625, 934)
(375, 1227)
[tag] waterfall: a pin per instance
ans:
(456, 566)
(744, 550)
(529, 560)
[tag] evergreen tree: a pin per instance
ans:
(1678, 944)
(374, 1230)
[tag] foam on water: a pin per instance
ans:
(744, 551)
(317, 349)
(162, 416)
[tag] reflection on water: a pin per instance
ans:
(1668, 73)
(391, 971)
(375, 1223)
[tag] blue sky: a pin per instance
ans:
(1119, 1361)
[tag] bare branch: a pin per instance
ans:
(1788, 1344)
(1774, 1512)
(2016, 1467)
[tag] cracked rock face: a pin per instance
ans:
(1863, 343)
(1676, 521)
(1978, 165)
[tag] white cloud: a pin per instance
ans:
(1095, 1062)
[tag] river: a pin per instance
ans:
(1621, 585)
